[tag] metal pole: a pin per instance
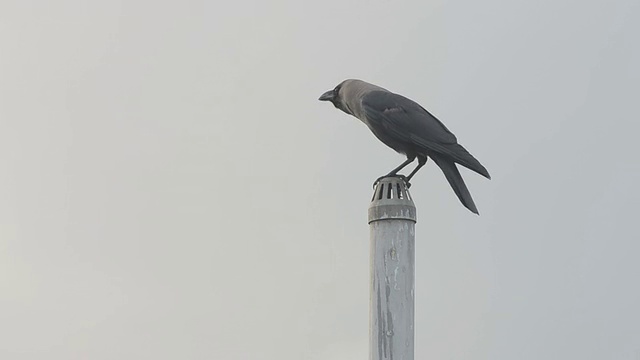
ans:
(392, 218)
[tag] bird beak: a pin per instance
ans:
(328, 96)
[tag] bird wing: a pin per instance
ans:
(404, 117)
(408, 122)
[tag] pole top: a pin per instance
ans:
(391, 201)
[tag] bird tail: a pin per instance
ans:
(452, 174)
(464, 158)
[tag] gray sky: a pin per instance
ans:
(172, 188)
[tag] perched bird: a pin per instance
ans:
(409, 129)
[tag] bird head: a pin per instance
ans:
(336, 98)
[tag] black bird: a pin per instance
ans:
(409, 129)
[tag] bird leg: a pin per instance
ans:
(394, 172)
(421, 161)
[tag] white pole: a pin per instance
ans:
(392, 218)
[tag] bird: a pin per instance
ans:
(409, 129)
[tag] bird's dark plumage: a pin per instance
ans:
(408, 128)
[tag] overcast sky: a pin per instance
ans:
(172, 189)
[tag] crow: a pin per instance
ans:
(409, 129)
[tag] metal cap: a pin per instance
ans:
(391, 200)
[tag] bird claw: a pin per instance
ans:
(406, 181)
(404, 178)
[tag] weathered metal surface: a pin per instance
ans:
(392, 217)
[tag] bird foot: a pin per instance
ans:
(404, 178)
